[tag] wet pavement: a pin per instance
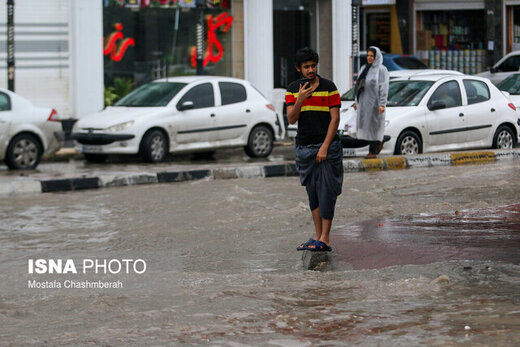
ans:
(420, 257)
(76, 166)
(484, 235)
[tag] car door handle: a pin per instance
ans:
(248, 110)
(492, 110)
(461, 114)
(212, 115)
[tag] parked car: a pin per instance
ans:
(27, 132)
(431, 113)
(508, 65)
(182, 115)
(347, 99)
(511, 86)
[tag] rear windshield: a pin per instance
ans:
(510, 85)
(151, 95)
(348, 96)
(410, 63)
(407, 93)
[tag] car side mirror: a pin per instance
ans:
(186, 105)
(437, 105)
(493, 70)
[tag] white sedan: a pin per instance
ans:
(182, 115)
(27, 132)
(511, 86)
(431, 113)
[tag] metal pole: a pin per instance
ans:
(200, 41)
(10, 45)
(355, 35)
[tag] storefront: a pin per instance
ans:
(379, 26)
(451, 34)
(512, 25)
(154, 39)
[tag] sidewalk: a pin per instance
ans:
(246, 170)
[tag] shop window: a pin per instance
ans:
(5, 102)
(447, 93)
(510, 64)
(201, 96)
(232, 93)
(476, 91)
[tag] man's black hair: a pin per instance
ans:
(305, 54)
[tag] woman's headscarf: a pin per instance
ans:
(360, 81)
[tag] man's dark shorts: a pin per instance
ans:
(323, 180)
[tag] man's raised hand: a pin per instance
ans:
(304, 93)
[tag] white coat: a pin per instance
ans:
(370, 123)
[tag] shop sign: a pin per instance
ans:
(222, 21)
(187, 3)
(129, 3)
(112, 48)
(378, 2)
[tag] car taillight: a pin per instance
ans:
(53, 117)
(269, 106)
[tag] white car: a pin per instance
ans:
(431, 113)
(508, 65)
(347, 99)
(182, 115)
(511, 86)
(26, 132)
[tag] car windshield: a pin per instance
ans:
(407, 93)
(510, 85)
(348, 96)
(410, 63)
(151, 95)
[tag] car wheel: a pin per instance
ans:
(504, 138)
(260, 142)
(408, 143)
(24, 152)
(95, 158)
(154, 146)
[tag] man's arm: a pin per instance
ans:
(331, 133)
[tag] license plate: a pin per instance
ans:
(92, 149)
(348, 152)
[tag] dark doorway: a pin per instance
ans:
(292, 31)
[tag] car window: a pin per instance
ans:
(511, 84)
(410, 63)
(477, 91)
(5, 102)
(407, 93)
(232, 92)
(448, 93)
(510, 64)
(151, 95)
(348, 96)
(201, 96)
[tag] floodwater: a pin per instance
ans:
(222, 268)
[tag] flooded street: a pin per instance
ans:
(421, 256)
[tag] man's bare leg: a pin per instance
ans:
(325, 230)
(317, 222)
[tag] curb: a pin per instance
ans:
(250, 171)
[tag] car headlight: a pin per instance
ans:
(119, 127)
(387, 122)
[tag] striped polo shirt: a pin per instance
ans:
(315, 112)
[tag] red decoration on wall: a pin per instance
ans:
(223, 20)
(110, 47)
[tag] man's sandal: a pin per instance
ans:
(305, 246)
(320, 246)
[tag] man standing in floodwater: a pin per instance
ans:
(314, 103)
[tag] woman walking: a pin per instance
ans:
(371, 92)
